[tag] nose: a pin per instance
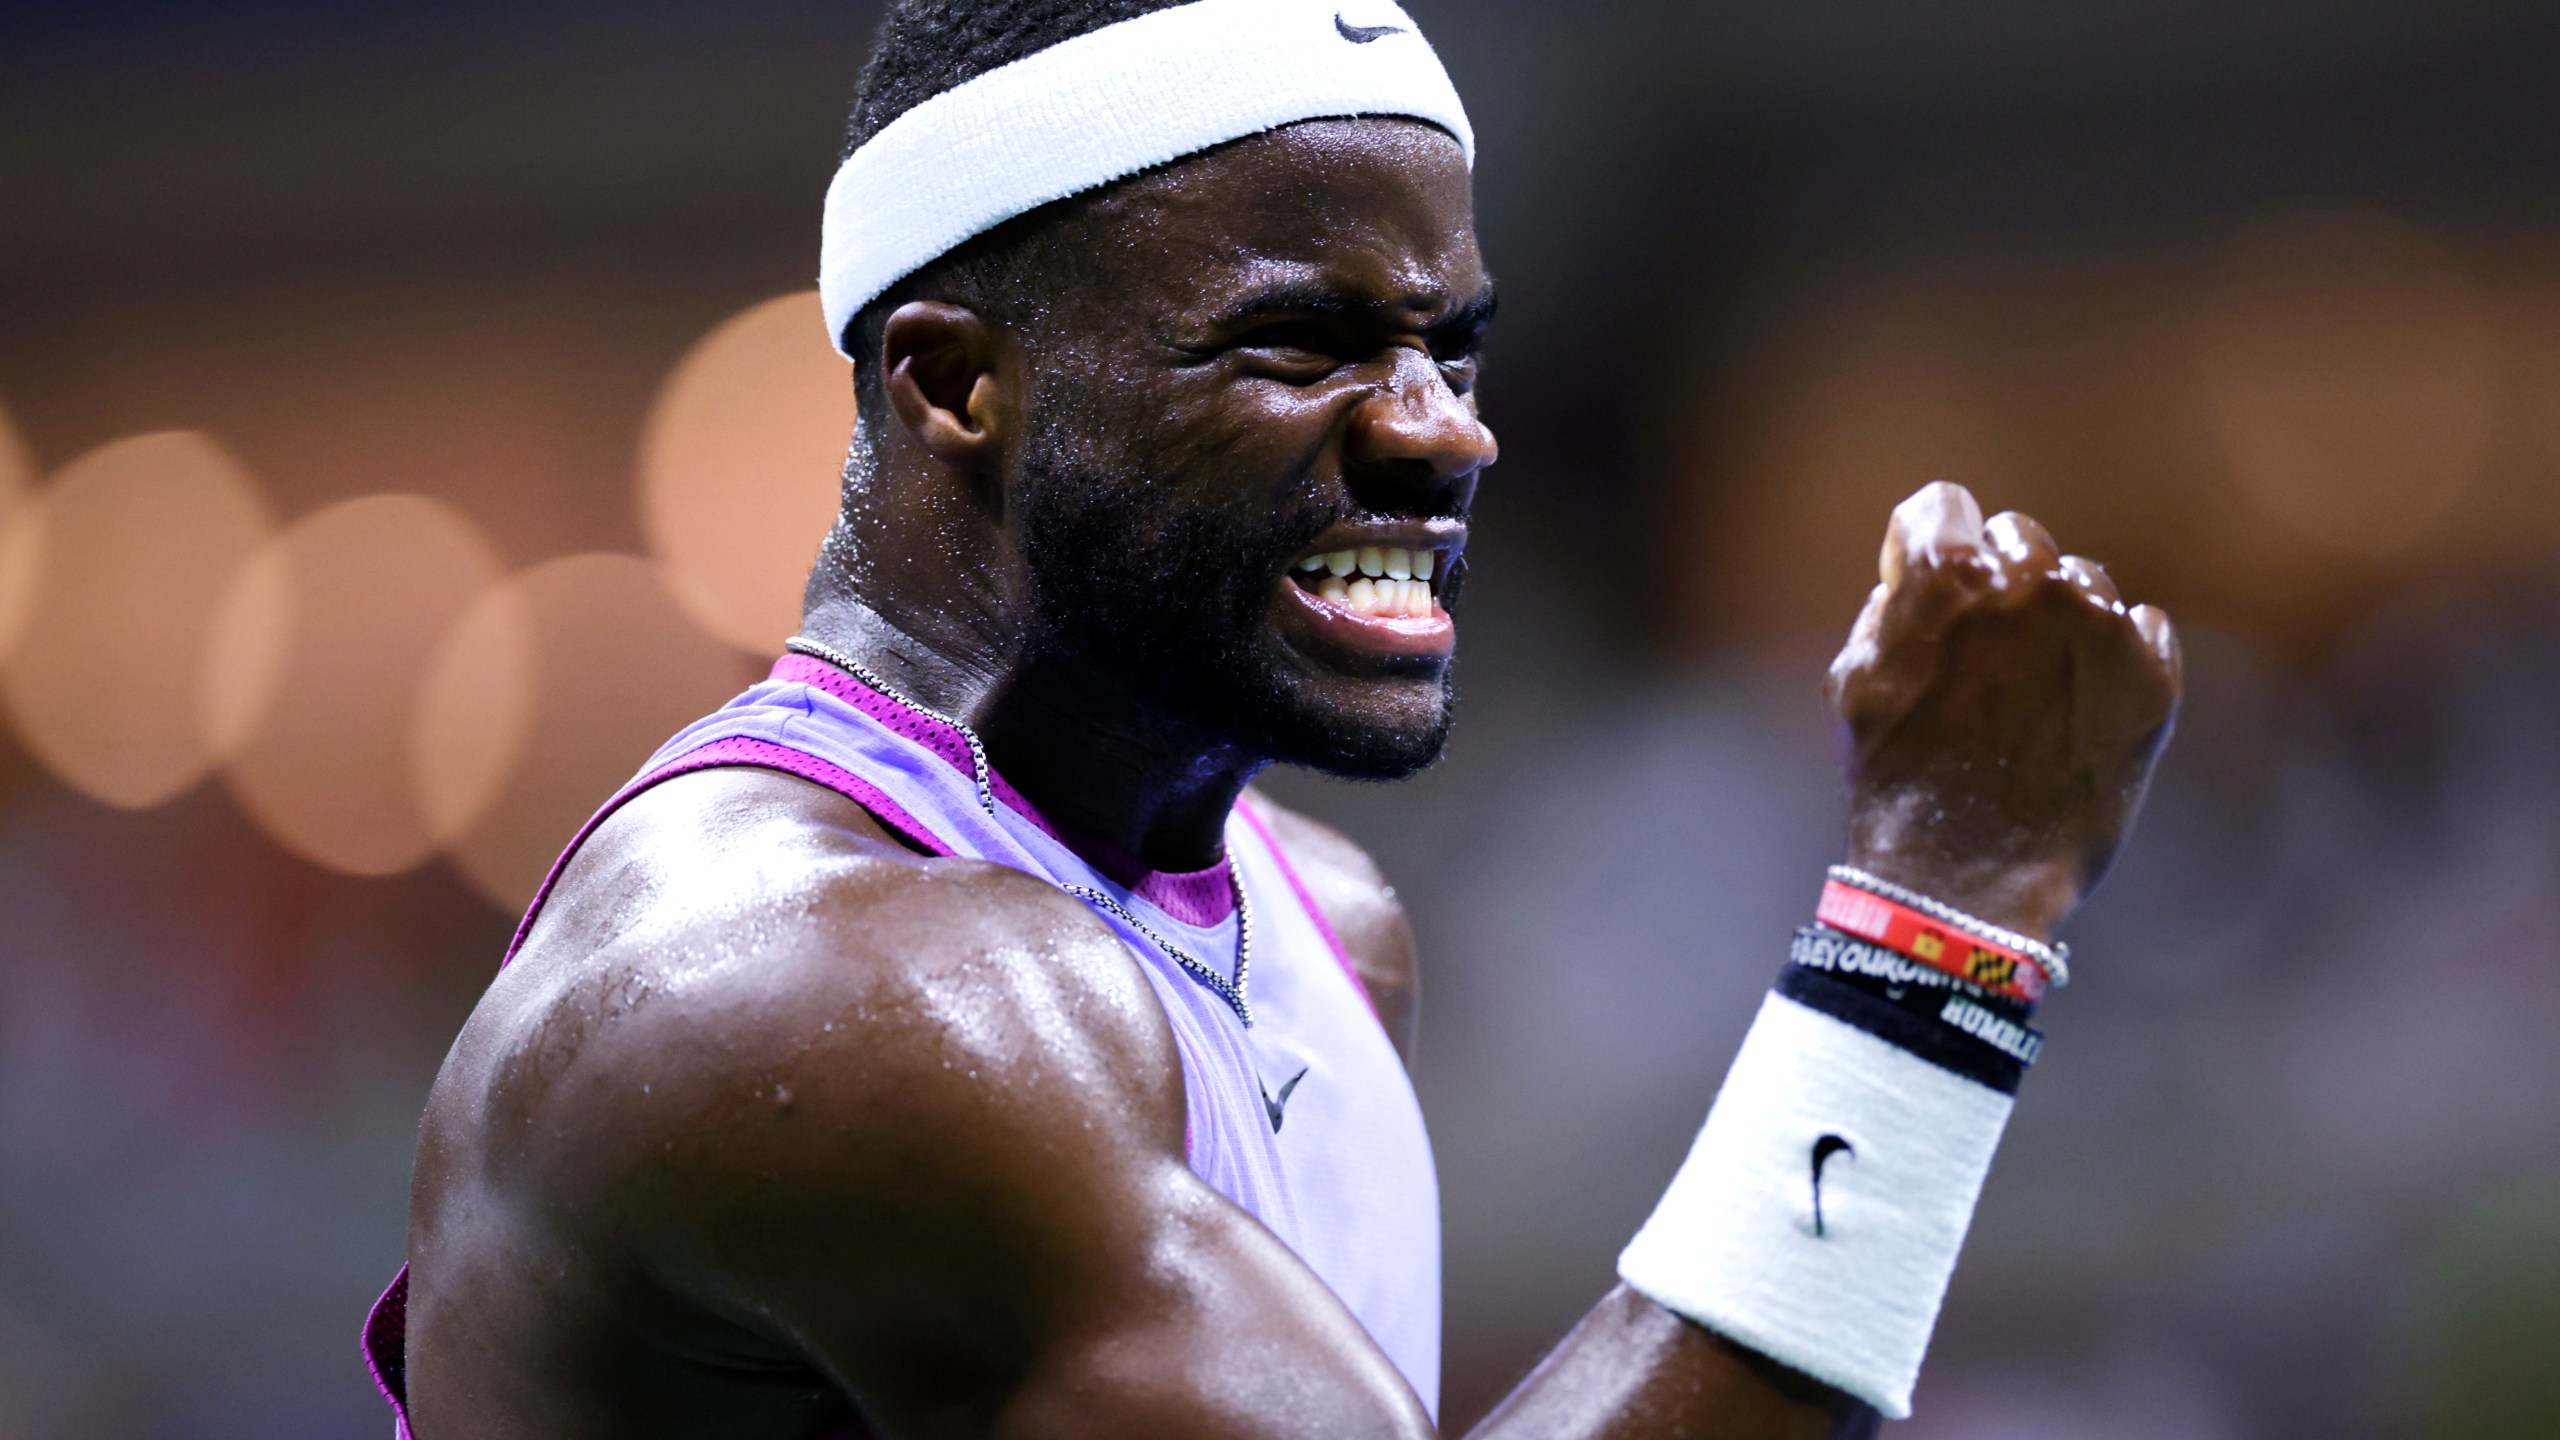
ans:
(1414, 430)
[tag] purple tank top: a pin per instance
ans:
(1303, 1117)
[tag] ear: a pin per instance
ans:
(938, 368)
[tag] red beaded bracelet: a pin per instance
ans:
(2010, 974)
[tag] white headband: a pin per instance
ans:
(1107, 104)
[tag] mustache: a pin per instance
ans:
(1227, 543)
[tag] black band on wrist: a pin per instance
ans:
(1950, 1029)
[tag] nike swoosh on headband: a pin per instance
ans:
(1107, 104)
(1363, 34)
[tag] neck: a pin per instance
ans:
(1116, 767)
(1095, 758)
(948, 673)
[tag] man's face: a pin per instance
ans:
(1252, 442)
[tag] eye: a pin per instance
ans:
(1290, 337)
(1457, 362)
(1453, 343)
(1300, 352)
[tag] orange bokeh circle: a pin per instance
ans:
(318, 660)
(17, 466)
(546, 697)
(740, 465)
(2352, 373)
(137, 543)
(17, 545)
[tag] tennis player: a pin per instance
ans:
(944, 1038)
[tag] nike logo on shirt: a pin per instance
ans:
(1281, 1104)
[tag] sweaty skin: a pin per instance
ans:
(772, 1110)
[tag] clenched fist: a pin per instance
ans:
(2001, 710)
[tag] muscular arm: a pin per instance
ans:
(912, 1130)
(1630, 1368)
(1022, 1129)
(909, 1129)
(975, 1211)
(916, 1126)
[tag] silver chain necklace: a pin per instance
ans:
(1231, 991)
(978, 771)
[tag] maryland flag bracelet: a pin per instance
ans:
(1941, 938)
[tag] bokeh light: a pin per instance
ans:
(1867, 246)
(17, 466)
(1870, 391)
(2352, 372)
(475, 712)
(572, 673)
(739, 468)
(140, 541)
(17, 546)
(329, 633)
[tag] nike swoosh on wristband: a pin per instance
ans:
(1363, 34)
(1823, 1150)
(1281, 1104)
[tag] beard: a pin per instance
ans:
(1162, 586)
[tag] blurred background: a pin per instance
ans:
(410, 415)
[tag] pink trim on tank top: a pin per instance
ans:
(1307, 902)
(943, 740)
(1199, 897)
(386, 1332)
(735, 751)
(386, 1325)
(1194, 897)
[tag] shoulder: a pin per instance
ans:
(1360, 905)
(749, 1012)
(770, 1101)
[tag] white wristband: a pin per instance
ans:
(1818, 1216)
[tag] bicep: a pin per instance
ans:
(1077, 1285)
(1221, 1331)
(972, 1210)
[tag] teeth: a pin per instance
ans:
(1386, 581)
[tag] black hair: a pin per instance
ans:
(927, 47)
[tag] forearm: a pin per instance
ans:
(1632, 1368)
(1813, 1228)
(2003, 708)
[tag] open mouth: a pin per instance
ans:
(1375, 581)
